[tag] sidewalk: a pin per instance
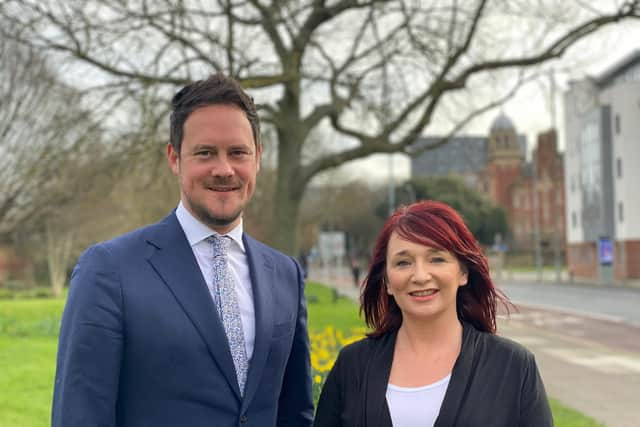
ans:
(595, 379)
(550, 277)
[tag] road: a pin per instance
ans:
(608, 302)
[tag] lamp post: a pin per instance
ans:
(412, 193)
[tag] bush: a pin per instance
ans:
(12, 293)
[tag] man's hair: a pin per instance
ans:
(218, 89)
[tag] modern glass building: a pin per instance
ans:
(602, 119)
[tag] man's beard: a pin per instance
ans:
(204, 215)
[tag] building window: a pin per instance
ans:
(617, 124)
(620, 212)
(574, 220)
(619, 167)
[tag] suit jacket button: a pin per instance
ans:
(244, 419)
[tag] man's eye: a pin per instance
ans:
(204, 153)
(239, 153)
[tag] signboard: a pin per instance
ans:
(605, 251)
(331, 244)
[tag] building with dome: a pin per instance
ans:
(496, 165)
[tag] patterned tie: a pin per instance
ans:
(228, 308)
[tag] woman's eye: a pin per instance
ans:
(437, 259)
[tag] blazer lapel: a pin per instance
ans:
(261, 270)
(376, 381)
(459, 381)
(175, 263)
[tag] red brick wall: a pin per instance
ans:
(629, 267)
(502, 178)
(582, 260)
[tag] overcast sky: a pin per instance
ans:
(530, 108)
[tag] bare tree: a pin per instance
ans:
(373, 73)
(40, 130)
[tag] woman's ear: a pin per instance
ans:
(464, 275)
(385, 283)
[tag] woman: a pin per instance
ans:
(432, 358)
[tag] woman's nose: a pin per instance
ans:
(422, 272)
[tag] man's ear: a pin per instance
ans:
(173, 158)
(258, 156)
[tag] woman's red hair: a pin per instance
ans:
(439, 226)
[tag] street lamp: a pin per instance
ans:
(412, 192)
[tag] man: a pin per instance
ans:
(189, 322)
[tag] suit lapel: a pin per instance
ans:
(175, 263)
(261, 270)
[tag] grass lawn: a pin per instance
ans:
(28, 340)
(26, 380)
(341, 314)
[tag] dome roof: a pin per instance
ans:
(502, 122)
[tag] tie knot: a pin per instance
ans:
(220, 244)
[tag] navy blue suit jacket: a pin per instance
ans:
(141, 343)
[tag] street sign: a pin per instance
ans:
(605, 251)
(331, 245)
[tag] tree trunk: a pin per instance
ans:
(59, 244)
(289, 189)
(288, 192)
(286, 207)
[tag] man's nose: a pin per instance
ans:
(222, 166)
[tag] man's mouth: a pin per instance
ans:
(222, 188)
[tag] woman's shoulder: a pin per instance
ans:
(364, 347)
(499, 345)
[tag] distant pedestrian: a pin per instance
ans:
(355, 270)
(303, 259)
(432, 357)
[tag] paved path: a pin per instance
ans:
(605, 301)
(590, 363)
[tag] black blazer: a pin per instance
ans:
(494, 382)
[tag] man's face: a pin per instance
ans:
(217, 165)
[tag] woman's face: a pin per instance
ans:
(424, 281)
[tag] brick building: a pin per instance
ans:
(496, 166)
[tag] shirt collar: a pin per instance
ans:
(196, 231)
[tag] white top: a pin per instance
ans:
(196, 233)
(416, 406)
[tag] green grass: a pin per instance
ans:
(322, 311)
(566, 417)
(28, 342)
(26, 380)
(30, 317)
